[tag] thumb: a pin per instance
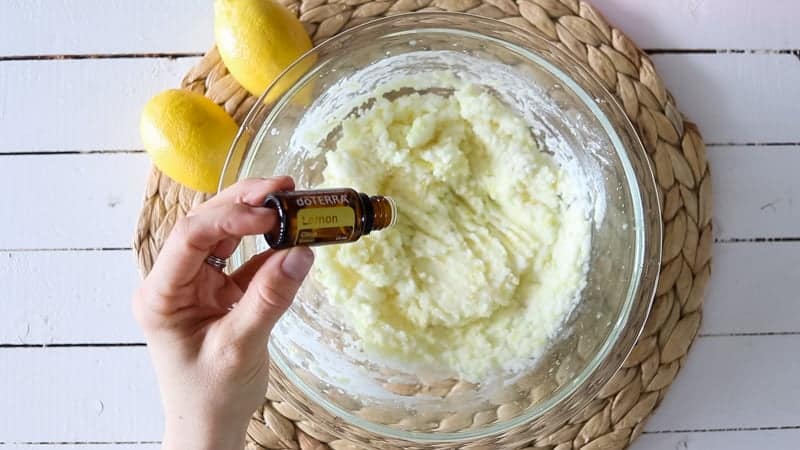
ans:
(270, 292)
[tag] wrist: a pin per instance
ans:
(203, 436)
(192, 442)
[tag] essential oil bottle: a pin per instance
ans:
(327, 216)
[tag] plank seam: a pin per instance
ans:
(725, 430)
(79, 56)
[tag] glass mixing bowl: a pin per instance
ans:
(567, 107)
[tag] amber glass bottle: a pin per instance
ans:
(327, 216)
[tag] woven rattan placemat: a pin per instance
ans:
(616, 417)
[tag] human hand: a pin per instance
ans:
(211, 361)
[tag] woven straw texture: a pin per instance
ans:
(616, 417)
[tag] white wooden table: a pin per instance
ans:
(74, 75)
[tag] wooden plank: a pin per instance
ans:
(722, 24)
(102, 197)
(79, 395)
(71, 201)
(37, 284)
(720, 440)
(734, 382)
(727, 440)
(753, 289)
(759, 390)
(736, 98)
(88, 446)
(41, 27)
(80, 104)
(755, 189)
(99, 197)
(67, 297)
(95, 104)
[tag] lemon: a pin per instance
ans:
(257, 40)
(188, 137)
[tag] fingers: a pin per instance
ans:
(224, 249)
(245, 273)
(195, 236)
(270, 292)
(251, 191)
(214, 227)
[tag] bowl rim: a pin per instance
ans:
(643, 191)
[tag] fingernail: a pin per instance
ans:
(297, 263)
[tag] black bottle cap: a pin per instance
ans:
(277, 237)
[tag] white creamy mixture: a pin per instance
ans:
(490, 249)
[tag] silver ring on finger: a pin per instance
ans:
(216, 262)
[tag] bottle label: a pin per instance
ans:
(333, 223)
